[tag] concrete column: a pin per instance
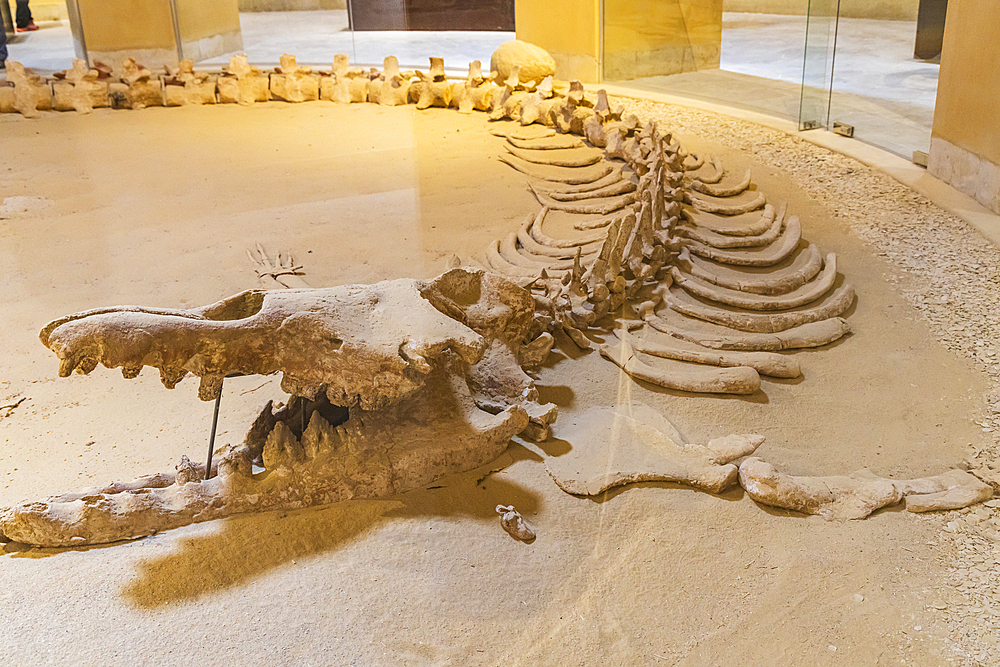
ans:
(965, 139)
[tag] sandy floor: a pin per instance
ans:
(157, 208)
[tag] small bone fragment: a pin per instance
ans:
(613, 447)
(682, 376)
(710, 206)
(515, 524)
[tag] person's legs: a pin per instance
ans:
(23, 16)
(3, 46)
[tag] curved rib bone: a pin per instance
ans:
(682, 376)
(806, 266)
(699, 185)
(755, 228)
(814, 334)
(765, 363)
(563, 157)
(587, 205)
(839, 301)
(709, 206)
(555, 174)
(724, 241)
(800, 297)
(769, 256)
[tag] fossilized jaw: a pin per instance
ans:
(412, 380)
(373, 454)
(349, 339)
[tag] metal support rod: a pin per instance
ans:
(211, 438)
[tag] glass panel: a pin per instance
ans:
(817, 63)
(760, 51)
(880, 87)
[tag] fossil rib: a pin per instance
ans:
(684, 377)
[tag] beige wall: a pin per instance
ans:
(658, 37)
(568, 29)
(965, 139)
(205, 18)
(894, 10)
(116, 25)
(967, 113)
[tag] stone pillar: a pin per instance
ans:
(965, 141)
(154, 32)
(594, 40)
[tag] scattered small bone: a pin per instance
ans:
(634, 443)
(282, 271)
(515, 524)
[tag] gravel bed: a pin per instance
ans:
(949, 273)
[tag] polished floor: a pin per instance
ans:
(878, 87)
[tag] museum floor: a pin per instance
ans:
(158, 207)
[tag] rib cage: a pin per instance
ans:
(719, 277)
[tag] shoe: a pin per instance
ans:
(31, 27)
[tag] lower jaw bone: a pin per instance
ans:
(375, 453)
